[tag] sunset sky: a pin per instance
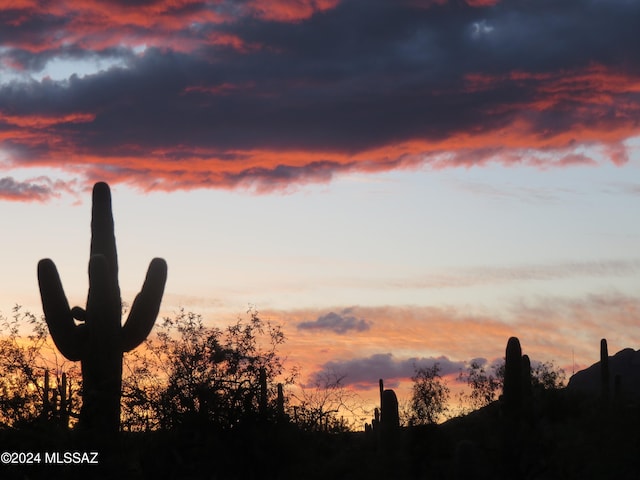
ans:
(395, 182)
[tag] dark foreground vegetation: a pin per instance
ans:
(565, 437)
(200, 402)
(213, 416)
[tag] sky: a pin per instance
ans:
(395, 182)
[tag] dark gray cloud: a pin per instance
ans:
(39, 189)
(365, 372)
(227, 85)
(338, 323)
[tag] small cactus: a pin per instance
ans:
(46, 406)
(56, 402)
(65, 402)
(375, 423)
(262, 399)
(280, 404)
(99, 340)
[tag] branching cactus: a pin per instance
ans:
(95, 335)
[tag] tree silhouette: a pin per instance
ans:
(322, 404)
(192, 374)
(429, 396)
(31, 376)
(484, 384)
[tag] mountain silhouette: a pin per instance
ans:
(624, 368)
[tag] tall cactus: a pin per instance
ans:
(604, 373)
(527, 380)
(389, 410)
(512, 388)
(387, 420)
(527, 387)
(99, 339)
(389, 417)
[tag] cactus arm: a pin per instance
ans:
(145, 307)
(68, 337)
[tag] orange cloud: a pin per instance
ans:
(288, 10)
(38, 122)
(482, 3)
(237, 95)
(548, 331)
(266, 170)
(431, 3)
(92, 24)
(387, 341)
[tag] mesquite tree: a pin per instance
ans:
(429, 397)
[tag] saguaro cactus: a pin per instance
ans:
(98, 339)
(56, 402)
(387, 421)
(512, 388)
(390, 417)
(527, 381)
(604, 373)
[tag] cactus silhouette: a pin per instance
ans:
(527, 381)
(56, 403)
(604, 373)
(512, 388)
(389, 417)
(280, 415)
(387, 420)
(96, 337)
